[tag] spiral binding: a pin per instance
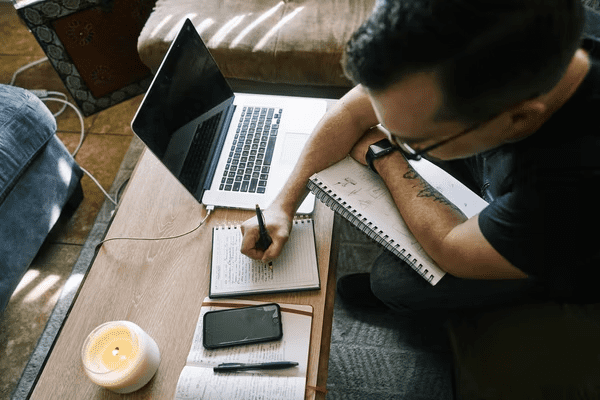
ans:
(297, 220)
(337, 204)
(223, 227)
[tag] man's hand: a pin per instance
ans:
(359, 151)
(279, 226)
(333, 138)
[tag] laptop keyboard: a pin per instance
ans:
(198, 152)
(249, 160)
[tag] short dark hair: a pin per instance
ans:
(487, 54)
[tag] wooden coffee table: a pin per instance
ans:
(160, 285)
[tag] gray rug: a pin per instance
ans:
(376, 354)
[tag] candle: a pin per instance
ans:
(120, 356)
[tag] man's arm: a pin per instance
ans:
(331, 141)
(453, 241)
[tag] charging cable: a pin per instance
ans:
(209, 210)
(40, 94)
(46, 95)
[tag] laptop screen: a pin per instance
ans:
(187, 85)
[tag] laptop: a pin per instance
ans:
(228, 150)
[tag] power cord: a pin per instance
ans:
(209, 210)
(42, 95)
(45, 95)
(23, 68)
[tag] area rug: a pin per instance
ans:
(376, 354)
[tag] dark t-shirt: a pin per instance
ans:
(544, 211)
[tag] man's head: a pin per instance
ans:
(485, 55)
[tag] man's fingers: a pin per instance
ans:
(249, 243)
(274, 250)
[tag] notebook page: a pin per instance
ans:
(203, 383)
(358, 188)
(458, 194)
(295, 268)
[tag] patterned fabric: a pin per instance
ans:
(92, 46)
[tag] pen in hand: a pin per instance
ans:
(264, 240)
(232, 367)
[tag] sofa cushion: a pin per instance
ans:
(530, 352)
(291, 42)
(26, 125)
(38, 176)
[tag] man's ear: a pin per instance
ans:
(525, 118)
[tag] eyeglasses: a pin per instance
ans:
(412, 154)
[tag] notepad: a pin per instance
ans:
(359, 195)
(198, 380)
(234, 274)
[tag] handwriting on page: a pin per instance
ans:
(202, 383)
(234, 268)
(294, 266)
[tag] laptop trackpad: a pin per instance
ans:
(292, 147)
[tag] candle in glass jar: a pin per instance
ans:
(120, 356)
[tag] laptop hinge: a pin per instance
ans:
(225, 122)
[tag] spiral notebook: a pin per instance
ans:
(234, 274)
(359, 195)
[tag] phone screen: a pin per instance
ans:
(242, 326)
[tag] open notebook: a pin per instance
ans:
(234, 274)
(199, 381)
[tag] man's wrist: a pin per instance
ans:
(392, 159)
(377, 150)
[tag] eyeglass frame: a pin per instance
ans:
(411, 154)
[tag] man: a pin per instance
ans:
(503, 95)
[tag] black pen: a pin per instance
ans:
(232, 367)
(264, 240)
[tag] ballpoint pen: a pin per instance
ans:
(264, 240)
(232, 367)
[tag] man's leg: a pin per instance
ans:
(405, 291)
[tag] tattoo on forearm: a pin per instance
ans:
(427, 190)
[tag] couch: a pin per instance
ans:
(264, 46)
(38, 179)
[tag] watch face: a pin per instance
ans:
(377, 148)
(381, 146)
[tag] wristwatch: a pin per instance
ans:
(378, 150)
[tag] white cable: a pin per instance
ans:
(208, 212)
(23, 68)
(82, 136)
(100, 186)
(43, 96)
(65, 98)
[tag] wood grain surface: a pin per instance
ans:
(160, 285)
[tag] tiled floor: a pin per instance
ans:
(107, 139)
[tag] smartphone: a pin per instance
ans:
(239, 326)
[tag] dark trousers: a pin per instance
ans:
(405, 291)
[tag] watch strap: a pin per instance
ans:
(378, 150)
